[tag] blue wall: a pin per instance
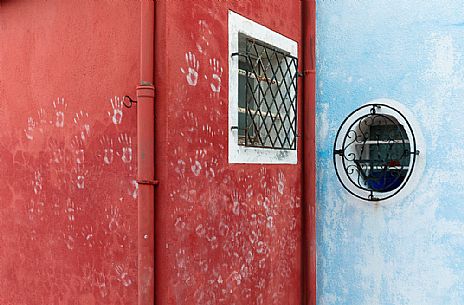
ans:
(408, 252)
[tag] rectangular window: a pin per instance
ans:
(263, 72)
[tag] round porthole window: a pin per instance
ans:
(375, 152)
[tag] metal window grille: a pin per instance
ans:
(373, 155)
(267, 96)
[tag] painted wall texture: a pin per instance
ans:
(226, 233)
(409, 251)
(68, 213)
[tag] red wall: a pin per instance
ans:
(61, 243)
(226, 234)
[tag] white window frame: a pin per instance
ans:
(239, 153)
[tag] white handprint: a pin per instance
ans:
(42, 116)
(29, 131)
(117, 105)
(216, 70)
(107, 144)
(236, 202)
(281, 183)
(42, 120)
(70, 209)
(114, 217)
(78, 146)
(69, 241)
(57, 150)
(192, 71)
(60, 107)
(100, 282)
(196, 168)
(88, 235)
(123, 276)
(126, 142)
(81, 119)
(37, 183)
(88, 272)
(35, 208)
(30, 207)
(133, 189)
(205, 35)
(80, 174)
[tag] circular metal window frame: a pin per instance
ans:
(342, 154)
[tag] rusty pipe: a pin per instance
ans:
(309, 152)
(145, 155)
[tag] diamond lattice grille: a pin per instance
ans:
(270, 97)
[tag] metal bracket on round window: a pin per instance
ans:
(375, 152)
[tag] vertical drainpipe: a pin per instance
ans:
(309, 153)
(145, 155)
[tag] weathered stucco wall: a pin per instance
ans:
(409, 251)
(226, 233)
(68, 208)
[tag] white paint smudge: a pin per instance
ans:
(323, 122)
